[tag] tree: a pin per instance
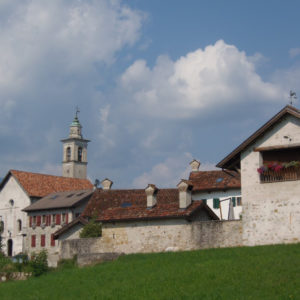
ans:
(91, 229)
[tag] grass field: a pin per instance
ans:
(266, 272)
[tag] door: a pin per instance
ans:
(9, 247)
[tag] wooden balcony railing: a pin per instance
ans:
(288, 174)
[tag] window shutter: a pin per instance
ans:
(67, 218)
(42, 240)
(33, 241)
(38, 221)
(204, 201)
(52, 240)
(30, 221)
(233, 201)
(216, 203)
(58, 219)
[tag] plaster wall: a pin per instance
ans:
(271, 211)
(10, 214)
(224, 205)
(157, 236)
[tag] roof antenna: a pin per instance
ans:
(292, 96)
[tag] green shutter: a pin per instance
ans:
(204, 201)
(233, 201)
(216, 203)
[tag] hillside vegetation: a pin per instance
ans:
(266, 272)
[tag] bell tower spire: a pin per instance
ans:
(74, 162)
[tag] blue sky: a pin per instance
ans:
(158, 83)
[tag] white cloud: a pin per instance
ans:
(294, 52)
(59, 38)
(215, 77)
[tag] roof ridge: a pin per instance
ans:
(59, 176)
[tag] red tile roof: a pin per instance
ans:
(123, 205)
(40, 185)
(214, 180)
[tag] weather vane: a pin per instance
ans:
(77, 111)
(292, 96)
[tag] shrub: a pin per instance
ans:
(91, 230)
(67, 263)
(39, 263)
(5, 263)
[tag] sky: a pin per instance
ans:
(158, 83)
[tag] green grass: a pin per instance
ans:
(266, 272)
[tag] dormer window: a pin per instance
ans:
(68, 154)
(79, 154)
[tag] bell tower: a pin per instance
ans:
(74, 162)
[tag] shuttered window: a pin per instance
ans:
(33, 238)
(204, 201)
(43, 240)
(58, 219)
(52, 240)
(233, 201)
(30, 221)
(216, 203)
(38, 221)
(67, 218)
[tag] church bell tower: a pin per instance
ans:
(74, 162)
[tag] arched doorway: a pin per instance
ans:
(9, 247)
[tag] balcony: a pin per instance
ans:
(286, 174)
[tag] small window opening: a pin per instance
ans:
(68, 154)
(19, 225)
(79, 154)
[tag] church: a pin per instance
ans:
(21, 189)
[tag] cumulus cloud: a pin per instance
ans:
(217, 76)
(60, 38)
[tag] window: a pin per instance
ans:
(1, 227)
(34, 220)
(19, 223)
(44, 219)
(11, 202)
(280, 165)
(57, 219)
(79, 154)
(33, 240)
(239, 201)
(63, 218)
(233, 199)
(43, 240)
(216, 203)
(68, 154)
(53, 219)
(204, 201)
(38, 220)
(52, 240)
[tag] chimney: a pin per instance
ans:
(106, 184)
(185, 193)
(195, 164)
(151, 191)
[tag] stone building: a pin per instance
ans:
(142, 220)
(20, 189)
(48, 215)
(269, 164)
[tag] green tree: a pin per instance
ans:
(91, 229)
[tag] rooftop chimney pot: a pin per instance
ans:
(151, 191)
(106, 184)
(195, 164)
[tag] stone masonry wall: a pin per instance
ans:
(157, 236)
(271, 211)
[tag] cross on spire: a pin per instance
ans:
(77, 111)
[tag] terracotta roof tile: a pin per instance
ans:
(214, 180)
(40, 185)
(121, 205)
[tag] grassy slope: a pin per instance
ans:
(269, 272)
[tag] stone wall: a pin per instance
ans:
(157, 236)
(271, 211)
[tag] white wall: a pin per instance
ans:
(271, 211)
(209, 196)
(10, 214)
